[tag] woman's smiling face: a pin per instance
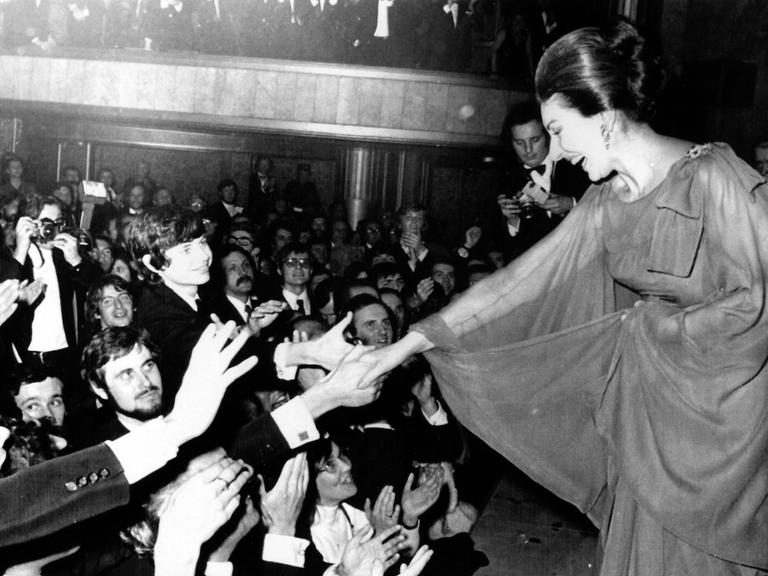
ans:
(577, 138)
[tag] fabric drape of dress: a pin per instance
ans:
(652, 419)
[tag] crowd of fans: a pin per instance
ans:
(114, 305)
(453, 35)
(102, 308)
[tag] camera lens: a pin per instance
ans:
(527, 210)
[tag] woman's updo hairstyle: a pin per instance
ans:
(595, 70)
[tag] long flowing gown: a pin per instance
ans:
(652, 419)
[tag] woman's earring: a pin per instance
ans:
(606, 133)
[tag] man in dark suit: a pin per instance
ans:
(262, 191)
(538, 192)
(170, 244)
(226, 208)
(242, 292)
(45, 334)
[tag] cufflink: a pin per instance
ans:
(70, 486)
(303, 436)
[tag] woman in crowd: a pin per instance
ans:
(333, 522)
(650, 418)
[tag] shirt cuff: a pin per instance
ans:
(513, 230)
(143, 451)
(283, 372)
(296, 423)
(284, 550)
(218, 569)
(439, 418)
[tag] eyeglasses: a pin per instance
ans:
(241, 240)
(297, 262)
(333, 464)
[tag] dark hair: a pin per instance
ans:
(72, 168)
(217, 272)
(295, 247)
(10, 157)
(384, 269)
(598, 69)
(36, 202)
(96, 291)
(226, 183)
(160, 228)
(344, 293)
(519, 114)
(361, 301)
(27, 374)
(109, 344)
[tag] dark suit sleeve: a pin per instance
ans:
(260, 443)
(58, 493)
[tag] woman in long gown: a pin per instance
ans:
(651, 418)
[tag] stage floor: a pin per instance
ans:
(527, 531)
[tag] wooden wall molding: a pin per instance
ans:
(300, 99)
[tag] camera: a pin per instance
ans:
(45, 230)
(527, 207)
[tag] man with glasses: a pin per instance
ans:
(295, 268)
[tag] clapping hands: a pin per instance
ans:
(416, 501)
(385, 513)
(280, 507)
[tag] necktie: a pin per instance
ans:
(300, 306)
(541, 168)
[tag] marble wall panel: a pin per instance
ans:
(371, 94)
(392, 104)
(284, 97)
(264, 98)
(147, 79)
(204, 101)
(326, 95)
(304, 101)
(436, 105)
(414, 105)
(347, 111)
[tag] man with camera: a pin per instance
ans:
(46, 332)
(537, 192)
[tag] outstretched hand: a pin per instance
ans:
(342, 386)
(331, 347)
(206, 380)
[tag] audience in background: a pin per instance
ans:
(136, 297)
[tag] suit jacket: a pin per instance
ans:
(58, 493)
(567, 180)
(175, 327)
(73, 282)
(219, 214)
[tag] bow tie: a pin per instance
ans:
(541, 168)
